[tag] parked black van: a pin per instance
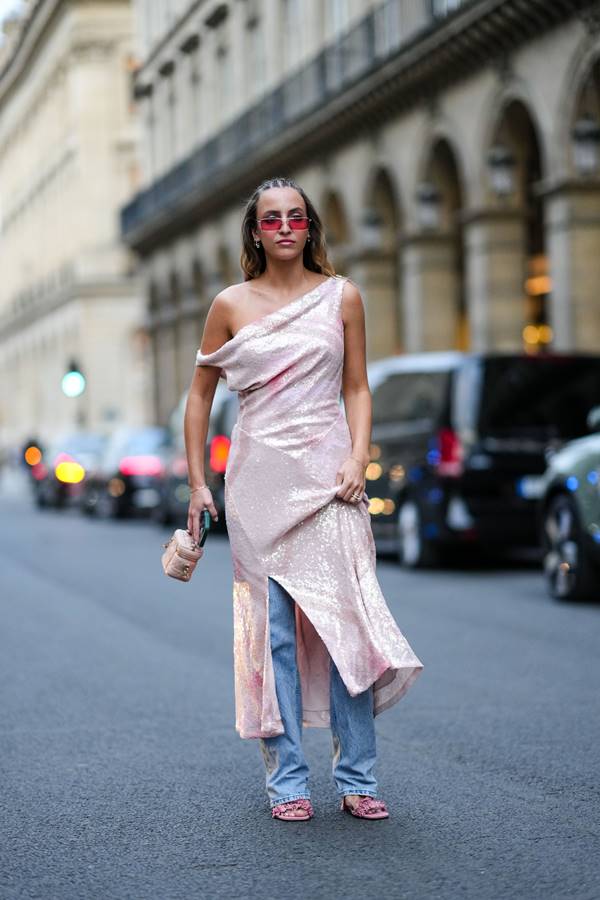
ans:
(460, 442)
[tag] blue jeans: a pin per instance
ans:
(352, 723)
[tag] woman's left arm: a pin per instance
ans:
(356, 393)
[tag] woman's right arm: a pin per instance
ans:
(197, 411)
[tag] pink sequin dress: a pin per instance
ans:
(284, 519)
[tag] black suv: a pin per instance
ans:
(460, 442)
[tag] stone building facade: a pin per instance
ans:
(451, 148)
(69, 290)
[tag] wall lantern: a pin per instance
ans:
(429, 206)
(371, 229)
(501, 167)
(585, 137)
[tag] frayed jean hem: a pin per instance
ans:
(359, 791)
(290, 797)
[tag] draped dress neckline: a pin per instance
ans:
(275, 312)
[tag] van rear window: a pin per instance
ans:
(409, 397)
(538, 396)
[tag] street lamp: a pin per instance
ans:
(429, 205)
(501, 168)
(585, 137)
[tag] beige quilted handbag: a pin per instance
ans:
(182, 552)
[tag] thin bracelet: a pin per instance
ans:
(197, 488)
(364, 465)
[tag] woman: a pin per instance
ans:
(314, 641)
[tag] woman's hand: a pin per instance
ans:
(351, 479)
(200, 500)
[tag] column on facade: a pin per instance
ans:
(188, 85)
(166, 370)
(239, 52)
(198, 67)
(190, 333)
(375, 275)
(209, 77)
(157, 136)
(168, 136)
(180, 113)
(494, 242)
(431, 292)
(217, 52)
(572, 217)
(151, 326)
(144, 95)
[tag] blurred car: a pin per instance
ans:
(570, 518)
(174, 499)
(58, 478)
(459, 445)
(128, 475)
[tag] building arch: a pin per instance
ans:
(381, 192)
(438, 138)
(511, 111)
(514, 163)
(441, 166)
(335, 221)
(581, 80)
(379, 231)
(573, 204)
(583, 99)
(434, 249)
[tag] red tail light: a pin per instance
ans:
(451, 453)
(141, 465)
(219, 451)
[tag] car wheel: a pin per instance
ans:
(414, 551)
(570, 575)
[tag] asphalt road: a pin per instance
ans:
(123, 777)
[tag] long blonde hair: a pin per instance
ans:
(253, 259)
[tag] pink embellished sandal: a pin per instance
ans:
(366, 808)
(289, 808)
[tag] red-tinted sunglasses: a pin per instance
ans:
(274, 223)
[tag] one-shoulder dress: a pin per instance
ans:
(284, 520)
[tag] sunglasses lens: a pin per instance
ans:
(297, 223)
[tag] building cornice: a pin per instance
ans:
(72, 290)
(38, 19)
(269, 137)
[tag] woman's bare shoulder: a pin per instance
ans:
(234, 291)
(226, 300)
(352, 302)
